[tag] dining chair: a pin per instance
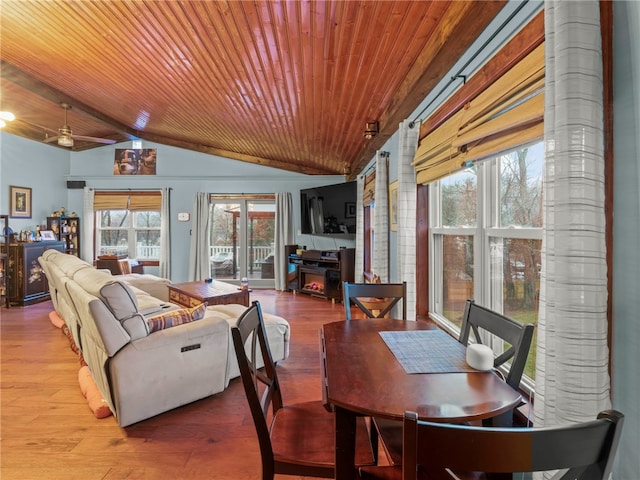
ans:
(375, 299)
(477, 319)
(296, 439)
(517, 337)
(585, 450)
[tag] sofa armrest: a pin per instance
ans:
(181, 334)
(190, 359)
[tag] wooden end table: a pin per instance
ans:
(190, 294)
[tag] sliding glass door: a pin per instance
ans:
(242, 239)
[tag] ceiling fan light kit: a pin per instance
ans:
(7, 116)
(66, 137)
(65, 141)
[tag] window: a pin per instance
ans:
(128, 224)
(486, 237)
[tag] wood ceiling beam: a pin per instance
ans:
(265, 162)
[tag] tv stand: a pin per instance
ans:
(321, 272)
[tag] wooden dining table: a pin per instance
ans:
(362, 376)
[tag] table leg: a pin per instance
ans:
(345, 444)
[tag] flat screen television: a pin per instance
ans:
(330, 209)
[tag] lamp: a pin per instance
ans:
(370, 129)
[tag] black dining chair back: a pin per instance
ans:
(368, 296)
(518, 336)
(296, 439)
(585, 450)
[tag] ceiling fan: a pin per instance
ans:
(66, 137)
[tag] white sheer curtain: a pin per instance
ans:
(572, 381)
(284, 235)
(199, 266)
(86, 252)
(359, 260)
(380, 259)
(165, 235)
(406, 205)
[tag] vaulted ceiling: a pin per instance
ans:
(286, 84)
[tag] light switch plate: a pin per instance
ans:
(183, 216)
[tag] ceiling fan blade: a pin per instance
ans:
(82, 138)
(51, 139)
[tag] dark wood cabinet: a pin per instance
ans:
(3, 279)
(4, 261)
(321, 272)
(26, 280)
(67, 230)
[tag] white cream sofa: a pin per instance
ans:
(142, 374)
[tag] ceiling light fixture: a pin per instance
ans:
(65, 141)
(370, 130)
(8, 116)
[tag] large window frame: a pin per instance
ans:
(132, 220)
(485, 235)
(249, 260)
(131, 207)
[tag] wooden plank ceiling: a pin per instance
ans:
(286, 84)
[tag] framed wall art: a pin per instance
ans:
(19, 202)
(130, 161)
(350, 210)
(393, 206)
(47, 235)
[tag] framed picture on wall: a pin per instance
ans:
(19, 202)
(393, 206)
(47, 235)
(130, 161)
(350, 210)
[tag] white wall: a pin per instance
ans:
(626, 234)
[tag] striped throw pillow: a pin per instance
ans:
(176, 317)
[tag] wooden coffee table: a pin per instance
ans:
(190, 294)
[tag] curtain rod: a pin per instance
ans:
(130, 189)
(473, 57)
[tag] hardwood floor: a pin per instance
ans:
(48, 431)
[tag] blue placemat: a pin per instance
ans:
(427, 351)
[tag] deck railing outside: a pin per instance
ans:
(153, 251)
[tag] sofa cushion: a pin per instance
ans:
(120, 299)
(155, 286)
(176, 317)
(69, 264)
(148, 304)
(91, 279)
